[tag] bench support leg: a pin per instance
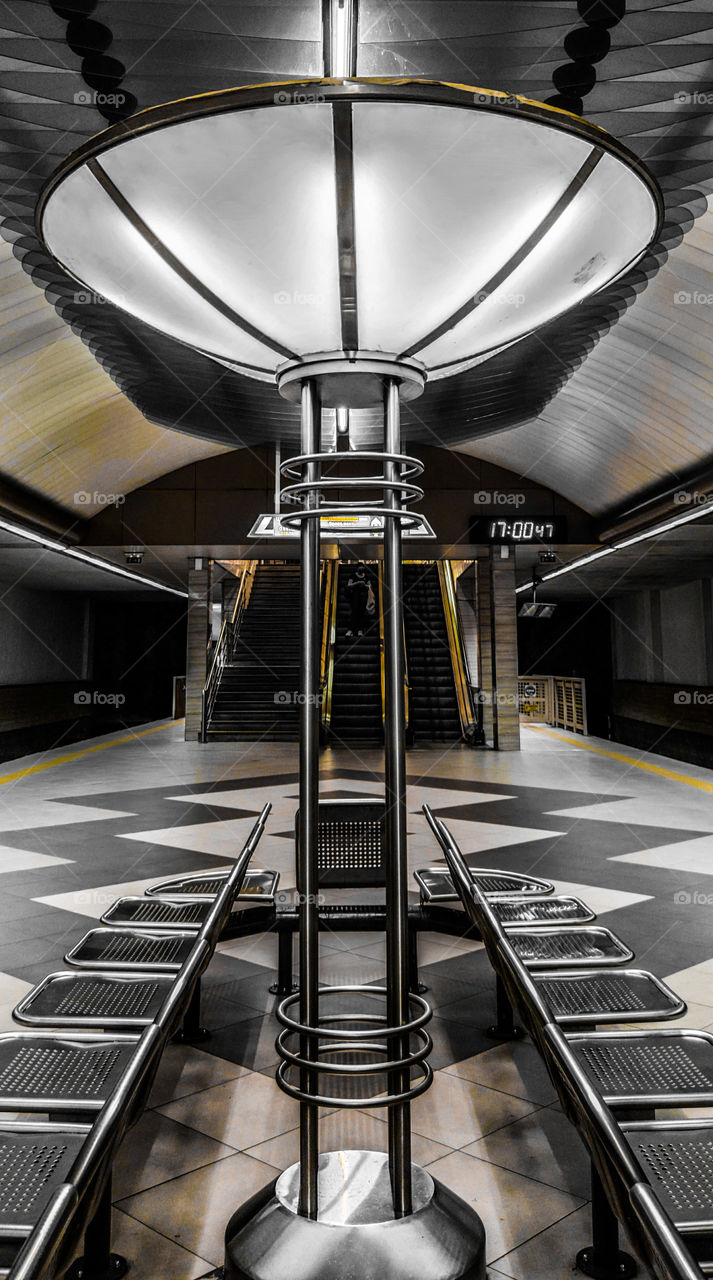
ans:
(192, 1032)
(414, 982)
(99, 1263)
(603, 1259)
(504, 1028)
(285, 983)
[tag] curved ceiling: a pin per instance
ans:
(69, 432)
(639, 408)
(642, 70)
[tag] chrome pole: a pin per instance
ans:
(396, 847)
(309, 797)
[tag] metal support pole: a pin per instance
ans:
(309, 795)
(397, 932)
(603, 1259)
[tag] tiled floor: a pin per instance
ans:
(636, 845)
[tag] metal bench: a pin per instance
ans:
(545, 948)
(157, 913)
(107, 1000)
(559, 909)
(647, 1070)
(128, 949)
(43, 1072)
(436, 884)
(677, 1158)
(258, 886)
(587, 997)
(40, 1160)
(659, 1243)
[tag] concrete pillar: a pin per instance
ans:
(199, 628)
(503, 630)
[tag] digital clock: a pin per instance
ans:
(519, 529)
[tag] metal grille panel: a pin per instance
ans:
(40, 1071)
(156, 911)
(491, 882)
(651, 1067)
(543, 910)
(682, 1167)
(347, 844)
(92, 998)
(593, 994)
(124, 949)
(567, 946)
(29, 1168)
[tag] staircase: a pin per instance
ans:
(433, 707)
(256, 695)
(356, 688)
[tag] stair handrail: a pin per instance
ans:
(329, 635)
(379, 572)
(456, 648)
(224, 648)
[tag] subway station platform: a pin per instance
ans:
(630, 833)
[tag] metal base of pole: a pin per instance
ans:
(356, 1236)
(620, 1268)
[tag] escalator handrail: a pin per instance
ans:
(329, 635)
(459, 661)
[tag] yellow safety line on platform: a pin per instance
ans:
(638, 764)
(77, 755)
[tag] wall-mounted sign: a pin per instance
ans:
(342, 527)
(520, 529)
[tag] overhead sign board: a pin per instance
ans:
(344, 527)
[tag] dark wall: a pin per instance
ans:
(575, 641)
(138, 648)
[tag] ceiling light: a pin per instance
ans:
(96, 562)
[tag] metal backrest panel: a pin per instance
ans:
(649, 1067)
(101, 1000)
(350, 844)
(131, 949)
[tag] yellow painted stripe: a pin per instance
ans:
(78, 755)
(658, 769)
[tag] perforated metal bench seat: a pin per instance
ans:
(129, 949)
(258, 886)
(436, 884)
(157, 913)
(34, 1160)
(43, 1072)
(94, 1000)
(652, 1068)
(578, 996)
(677, 1158)
(544, 948)
(556, 910)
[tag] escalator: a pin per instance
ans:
(440, 708)
(354, 711)
(258, 677)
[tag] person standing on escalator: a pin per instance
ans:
(358, 591)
